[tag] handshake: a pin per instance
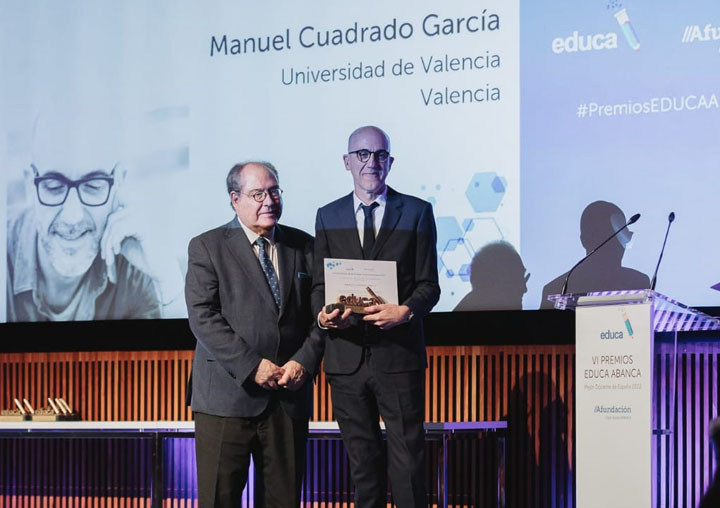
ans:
(290, 376)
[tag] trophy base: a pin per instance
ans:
(14, 418)
(356, 309)
(55, 418)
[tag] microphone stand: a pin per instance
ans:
(632, 220)
(671, 218)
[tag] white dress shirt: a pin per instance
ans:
(378, 214)
(271, 247)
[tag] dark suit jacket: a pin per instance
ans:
(236, 323)
(407, 236)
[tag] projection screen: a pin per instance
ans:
(535, 129)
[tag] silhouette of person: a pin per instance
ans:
(603, 271)
(538, 470)
(555, 474)
(521, 467)
(498, 279)
(711, 499)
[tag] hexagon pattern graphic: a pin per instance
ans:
(480, 231)
(457, 245)
(464, 272)
(455, 260)
(485, 191)
(447, 229)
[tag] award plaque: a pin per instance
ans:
(359, 283)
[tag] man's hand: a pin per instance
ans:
(294, 376)
(387, 315)
(267, 374)
(335, 320)
(129, 234)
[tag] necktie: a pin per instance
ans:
(268, 270)
(369, 230)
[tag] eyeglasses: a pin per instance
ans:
(260, 195)
(53, 190)
(363, 155)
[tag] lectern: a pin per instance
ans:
(616, 435)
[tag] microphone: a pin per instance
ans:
(632, 220)
(671, 218)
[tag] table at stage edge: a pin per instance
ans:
(157, 431)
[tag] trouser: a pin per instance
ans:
(224, 446)
(358, 400)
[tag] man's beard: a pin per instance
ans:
(71, 249)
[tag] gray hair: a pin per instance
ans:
(235, 173)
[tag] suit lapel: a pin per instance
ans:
(286, 265)
(347, 224)
(239, 245)
(393, 210)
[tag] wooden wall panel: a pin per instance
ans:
(101, 386)
(463, 383)
(531, 387)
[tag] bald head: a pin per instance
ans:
(360, 133)
(368, 160)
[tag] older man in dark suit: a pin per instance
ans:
(248, 297)
(375, 363)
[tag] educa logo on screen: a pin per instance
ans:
(597, 42)
(578, 42)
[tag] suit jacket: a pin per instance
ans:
(407, 236)
(236, 323)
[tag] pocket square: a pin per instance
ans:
(303, 275)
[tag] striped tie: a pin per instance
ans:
(268, 270)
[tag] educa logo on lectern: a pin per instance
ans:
(628, 325)
(612, 334)
(619, 334)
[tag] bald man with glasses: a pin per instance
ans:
(67, 251)
(375, 362)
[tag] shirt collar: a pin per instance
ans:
(380, 200)
(252, 236)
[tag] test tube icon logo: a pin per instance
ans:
(627, 29)
(628, 325)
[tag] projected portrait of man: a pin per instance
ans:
(65, 247)
(603, 271)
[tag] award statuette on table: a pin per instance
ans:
(16, 414)
(358, 283)
(57, 411)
